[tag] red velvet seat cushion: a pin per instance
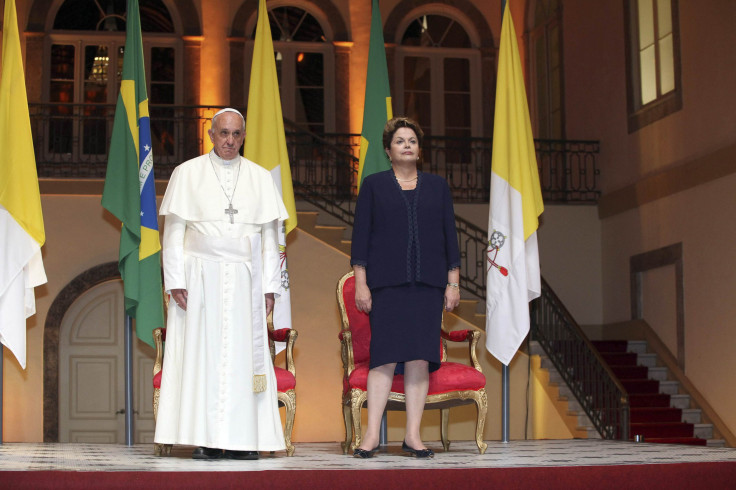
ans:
(157, 380)
(285, 381)
(451, 376)
(279, 335)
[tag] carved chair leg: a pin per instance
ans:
(289, 401)
(157, 448)
(444, 422)
(346, 414)
(481, 401)
(166, 449)
(357, 400)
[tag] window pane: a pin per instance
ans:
(162, 64)
(161, 93)
(418, 106)
(119, 69)
(86, 15)
(294, 24)
(96, 62)
(417, 73)
(664, 17)
(279, 61)
(309, 69)
(457, 111)
(648, 76)
(435, 30)
(646, 23)
(417, 95)
(457, 75)
(62, 62)
(310, 108)
(310, 95)
(666, 65)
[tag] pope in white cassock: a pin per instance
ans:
(221, 268)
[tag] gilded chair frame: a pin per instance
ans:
(354, 400)
(286, 399)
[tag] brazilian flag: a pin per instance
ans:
(377, 108)
(130, 192)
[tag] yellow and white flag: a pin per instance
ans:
(265, 144)
(21, 220)
(513, 277)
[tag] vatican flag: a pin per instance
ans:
(21, 220)
(265, 144)
(513, 277)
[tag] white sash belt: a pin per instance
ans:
(239, 250)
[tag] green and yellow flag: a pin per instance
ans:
(130, 192)
(265, 144)
(21, 220)
(377, 107)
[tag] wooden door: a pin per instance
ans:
(92, 371)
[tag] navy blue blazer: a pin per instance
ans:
(387, 224)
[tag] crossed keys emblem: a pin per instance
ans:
(494, 245)
(284, 270)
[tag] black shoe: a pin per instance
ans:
(417, 453)
(207, 453)
(365, 453)
(232, 454)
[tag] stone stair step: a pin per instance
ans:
(659, 373)
(716, 443)
(648, 360)
(703, 431)
(669, 387)
(637, 346)
(692, 415)
(680, 401)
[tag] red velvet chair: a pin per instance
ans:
(453, 384)
(285, 380)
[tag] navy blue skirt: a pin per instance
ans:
(406, 322)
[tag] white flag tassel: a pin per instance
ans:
(513, 277)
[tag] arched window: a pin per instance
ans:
(438, 76)
(86, 49)
(305, 67)
(545, 50)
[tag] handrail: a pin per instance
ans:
(597, 389)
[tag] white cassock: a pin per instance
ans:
(215, 347)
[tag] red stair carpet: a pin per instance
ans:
(651, 414)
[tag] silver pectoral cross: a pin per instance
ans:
(231, 211)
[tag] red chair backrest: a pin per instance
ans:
(359, 323)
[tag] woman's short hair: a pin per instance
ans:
(401, 122)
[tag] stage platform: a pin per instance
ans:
(549, 463)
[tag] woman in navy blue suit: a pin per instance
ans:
(407, 265)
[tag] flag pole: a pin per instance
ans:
(505, 403)
(128, 380)
(1, 394)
